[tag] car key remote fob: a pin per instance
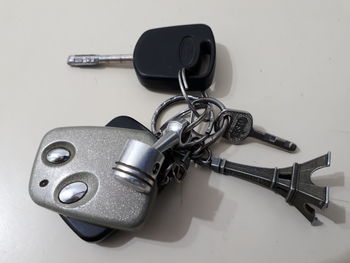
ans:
(72, 176)
(91, 232)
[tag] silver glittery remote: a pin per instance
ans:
(72, 175)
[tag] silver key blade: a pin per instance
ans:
(95, 60)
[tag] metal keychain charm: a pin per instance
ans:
(293, 182)
(139, 163)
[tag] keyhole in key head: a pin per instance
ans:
(156, 168)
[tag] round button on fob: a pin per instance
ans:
(73, 192)
(58, 155)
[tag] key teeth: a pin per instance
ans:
(82, 60)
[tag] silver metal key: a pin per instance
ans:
(241, 127)
(95, 60)
(161, 52)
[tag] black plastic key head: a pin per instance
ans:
(160, 53)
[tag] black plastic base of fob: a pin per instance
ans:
(86, 231)
(90, 232)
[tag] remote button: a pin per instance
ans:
(73, 192)
(58, 155)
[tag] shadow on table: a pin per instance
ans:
(224, 73)
(175, 208)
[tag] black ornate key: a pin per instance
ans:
(241, 127)
(160, 53)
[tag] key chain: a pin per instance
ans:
(106, 178)
(127, 165)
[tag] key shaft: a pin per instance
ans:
(95, 60)
(241, 127)
(273, 140)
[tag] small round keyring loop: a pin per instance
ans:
(195, 100)
(163, 106)
(186, 134)
(207, 139)
(176, 99)
(204, 158)
(213, 138)
(218, 122)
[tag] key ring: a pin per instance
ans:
(204, 141)
(183, 87)
(163, 106)
(179, 98)
(193, 123)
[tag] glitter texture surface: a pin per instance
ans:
(107, 201)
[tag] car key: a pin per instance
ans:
(72, 175)
(160, 53)
(241, 127)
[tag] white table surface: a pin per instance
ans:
(286, 62)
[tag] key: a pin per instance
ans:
(139, 163)
(72, 176)
(293, 183)
(241, 127)
(160, 53)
